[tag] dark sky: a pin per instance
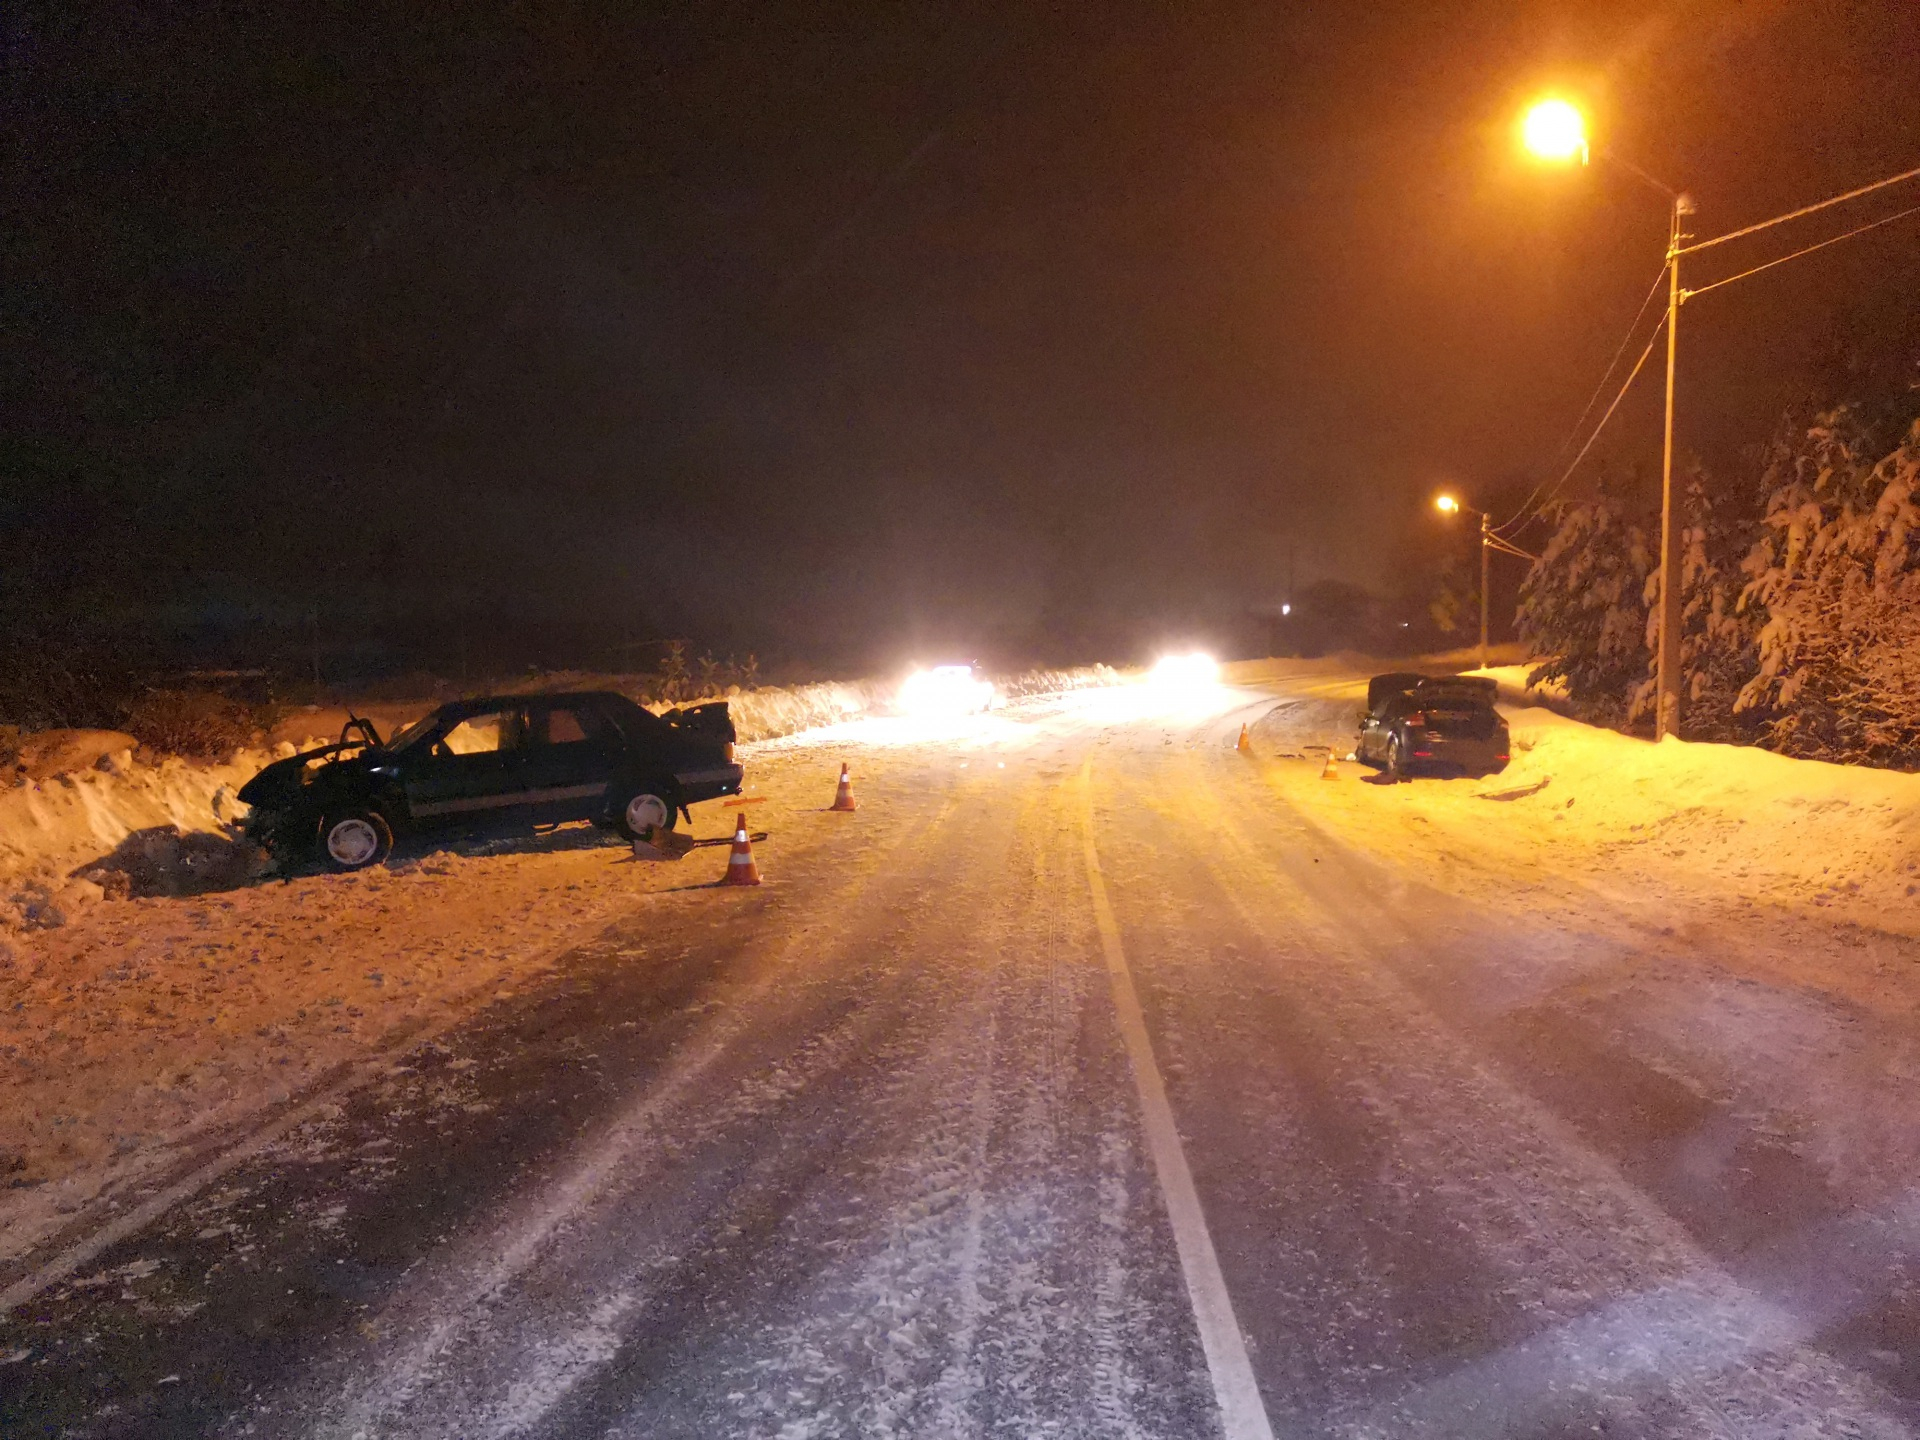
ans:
(846, 331)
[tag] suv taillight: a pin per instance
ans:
(1418, 717)
(729, 752)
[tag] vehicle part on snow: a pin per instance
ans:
(663, 844)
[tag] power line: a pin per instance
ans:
(1508, 549)
(1632, 374)
(1606, 375)
(1820, 245)
(1803, 210)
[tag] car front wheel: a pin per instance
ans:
(355, 840)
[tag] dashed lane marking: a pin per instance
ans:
(1243, 1416)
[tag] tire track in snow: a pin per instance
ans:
(979, 1313)
(461, 1302)
(1528, 1190)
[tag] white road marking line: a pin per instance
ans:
(1243, 1416)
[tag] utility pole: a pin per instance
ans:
(1555, 130)
(1486, 550)
(1666, 673)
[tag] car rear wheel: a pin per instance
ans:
(1396, 766)
(354, 840)
(644, 809)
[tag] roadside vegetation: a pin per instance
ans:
(1800, 591)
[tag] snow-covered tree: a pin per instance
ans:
(1835, 582)
(1583, 608)
(1716, 635)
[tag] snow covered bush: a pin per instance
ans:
(196, 723)
(1583, 608)
(1836, 576)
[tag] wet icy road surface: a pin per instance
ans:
(866, 1152)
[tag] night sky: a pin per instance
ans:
(850, 333)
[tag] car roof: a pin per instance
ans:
(481, 704)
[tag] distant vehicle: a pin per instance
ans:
(946, 690)
(505, 759)
(1417, 723)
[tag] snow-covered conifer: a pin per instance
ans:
(1583, 609)
(1836, 577)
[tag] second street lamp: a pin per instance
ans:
(1489, 542)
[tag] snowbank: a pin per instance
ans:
(1727, 820)
(1791, 830)
(53, 826)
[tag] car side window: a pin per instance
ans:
(483, 734)
(574, 726)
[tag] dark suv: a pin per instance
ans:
(507, 759)
(1413, 722)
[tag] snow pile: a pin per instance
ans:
(776, 710)
(52, 827)
(1792, 830)
(1735, 821)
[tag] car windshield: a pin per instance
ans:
(413, 732)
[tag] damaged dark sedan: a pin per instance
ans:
(1436, 725)
(499, 761)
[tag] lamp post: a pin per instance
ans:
(1489, 542)
(1555, 130)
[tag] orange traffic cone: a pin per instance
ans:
(740, 867)
(843, 798)
(1332, 771)
(1245, 747)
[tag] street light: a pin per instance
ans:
(1489, 542)
(1555, 130)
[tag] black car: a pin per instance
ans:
(506, 759)
(1414, 722)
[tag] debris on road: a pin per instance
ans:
(1518, 792)
(660, 843)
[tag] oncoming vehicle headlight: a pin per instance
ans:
(1185, 671)
(945, 690)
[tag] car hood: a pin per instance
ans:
(279, 784)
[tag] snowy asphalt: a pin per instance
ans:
(871, 1152)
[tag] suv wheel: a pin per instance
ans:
(1396, 766)
(355, 839)
(644, 809)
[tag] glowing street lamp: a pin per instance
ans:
(1554, 130)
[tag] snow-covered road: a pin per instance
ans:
(875, 1151)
